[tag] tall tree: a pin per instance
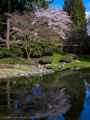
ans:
(8, 24)
(18, 6)
(88, 26)
(2, 16)
(76, 11)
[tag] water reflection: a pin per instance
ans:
(61, 96)
(33, 101)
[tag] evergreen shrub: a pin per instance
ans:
(10, 52)
(46, 60)
(17, 60)
(67, 59)
(74, 56)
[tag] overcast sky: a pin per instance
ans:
(86, 4)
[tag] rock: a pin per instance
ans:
(3, 76)
(48, 67)
(77, 61)
(48, 64)
(40, 66)
(32, 61)
(41, 71)
(27, 74)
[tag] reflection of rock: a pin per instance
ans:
(68, 72)
(76, 67)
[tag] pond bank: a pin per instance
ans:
(28, 74)
(27, 71)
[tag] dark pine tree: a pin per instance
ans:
(76, 10)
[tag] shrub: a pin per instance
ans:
(46, 60)
(17, 60)
(37, 50)
(48, 49)
(74, 56)
(4, 52)
(10, 52)
(16, 52)
(67, 59)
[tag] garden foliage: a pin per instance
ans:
(46, 60)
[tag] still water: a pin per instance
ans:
(60, 96)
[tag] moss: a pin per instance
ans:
(84, 60)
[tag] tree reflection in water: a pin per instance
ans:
(26, 101)
(8, 93)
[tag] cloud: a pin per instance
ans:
(87, 14)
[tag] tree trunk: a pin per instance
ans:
(8, 25)
(8, 33)
(28, 57)
(28, 54)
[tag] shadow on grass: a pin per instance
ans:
(83, 57)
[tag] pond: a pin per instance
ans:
(62, 95)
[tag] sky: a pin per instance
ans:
(86, 4)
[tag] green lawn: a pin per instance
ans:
(18, 69)
(84, 60)
(10, 72)
(25, 68)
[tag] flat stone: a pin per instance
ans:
(77, 61)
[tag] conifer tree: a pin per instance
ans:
(76, 11)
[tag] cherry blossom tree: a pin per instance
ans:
(55, 18)
(46, 21)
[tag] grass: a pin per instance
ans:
(17, 69)
(25, 68)
(10, 72)
(56, 57)
(84, 60)
(8, 69)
